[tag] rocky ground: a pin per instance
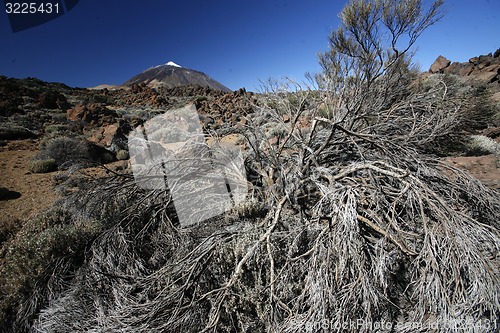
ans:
(29, 192)
(33, 112)
(485, 168)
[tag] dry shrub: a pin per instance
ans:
(72, 152)
(351, 223)
(478, 145)
(473, 111)
(65, 151)
(8, 228)
(365, 227)
(43, 166)
(56, 129)
(10, 131)
(122, 155)
(36, 260)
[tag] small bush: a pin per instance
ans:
(479, 145)
(15, 132)
(324, 112)
(37, 250)
(249, 208)
(59, 117)
(8, 228)
(54, 128)
(68, 183)
(201, 98)
(65, 151)
(100, 154)
(43, 166)
(122, 155)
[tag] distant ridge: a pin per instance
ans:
(172, 75)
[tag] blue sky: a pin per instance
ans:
(238, 43)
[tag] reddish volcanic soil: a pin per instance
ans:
(485, 168)
(30, 193)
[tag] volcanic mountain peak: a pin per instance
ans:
(171, 75)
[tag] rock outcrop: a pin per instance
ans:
(226, 110)
(92, 114)
(485, 68)
(113, 136)
(141, 94)
(440, 64)
(52, 99)
(15, 93)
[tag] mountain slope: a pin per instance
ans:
(172, 75)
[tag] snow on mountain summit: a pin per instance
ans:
(171, 63)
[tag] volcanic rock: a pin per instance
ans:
(227, 109)
(488, 74)
(461, 69)
(474, 60)
(141, 94)
(439, 65)
(92, 114)
(113, 136)
(483, 69)
(52, 100)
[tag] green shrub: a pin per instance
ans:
(8, 228)
(54, 128)
(201, 98)
(65, 151)
(59, 117)
(324, 112)
(43, 166)
(122, 155)
(34, 252)
(479, 145)
(15, 132)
